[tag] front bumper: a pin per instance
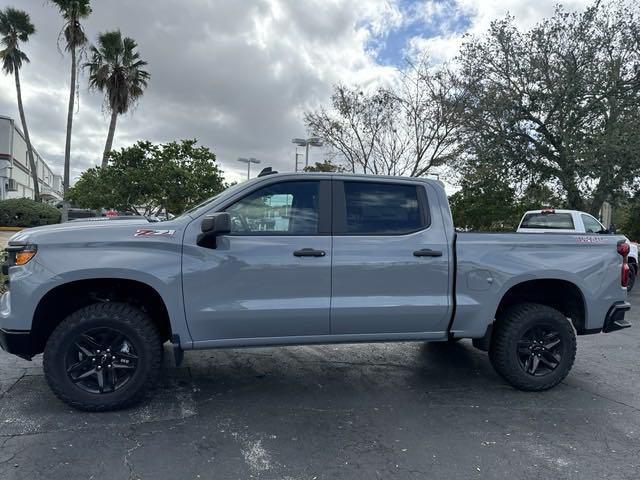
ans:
(615, 317)
(17, 342)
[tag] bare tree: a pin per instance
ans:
(353, 124)
(403, 130)
(431, 103)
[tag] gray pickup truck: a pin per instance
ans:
(292, 259)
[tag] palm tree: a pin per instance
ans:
(16, 27)
(116, 70)
(72, 12)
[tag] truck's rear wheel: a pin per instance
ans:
(103, 357)
(533, 346)
(633, 276)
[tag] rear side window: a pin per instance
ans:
(560, 221)
(382, 208)
(591, 225)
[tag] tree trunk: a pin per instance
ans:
(109, 144)
(67, 144)
(32, 163)
(574, 200)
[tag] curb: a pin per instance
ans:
(11, 229)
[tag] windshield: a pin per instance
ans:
(202, 204)
(228, 191)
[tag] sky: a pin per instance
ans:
(238, 75)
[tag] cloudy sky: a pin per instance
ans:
(238, 74)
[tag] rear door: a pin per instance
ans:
(390, 259)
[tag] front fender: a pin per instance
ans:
(156, 264)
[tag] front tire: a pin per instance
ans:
(533, 346)
(103, 357)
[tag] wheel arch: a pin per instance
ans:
(562, 295)
(65, 298)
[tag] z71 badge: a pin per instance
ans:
(146, 232)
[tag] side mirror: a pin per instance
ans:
(213, 226)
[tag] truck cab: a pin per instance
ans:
(551, 220)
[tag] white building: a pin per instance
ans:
(15, 174)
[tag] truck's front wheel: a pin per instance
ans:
(533, 346)
(103, 357)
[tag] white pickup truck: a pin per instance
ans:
(551, 220)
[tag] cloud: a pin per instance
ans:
(238, 75)
(476, 16)
(235, 75)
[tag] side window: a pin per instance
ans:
(288, 208)
(591, 225)
(382, 208)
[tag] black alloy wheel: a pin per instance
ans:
(540, 350)
(533, 346)
(101, 360)
(104, 356)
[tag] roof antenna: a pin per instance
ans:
(266, 171)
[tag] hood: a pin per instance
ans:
(73, 232)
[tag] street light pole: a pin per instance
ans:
(248, 161)
(306, 142)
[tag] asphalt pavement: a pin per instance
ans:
(399, 410)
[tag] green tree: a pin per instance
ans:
(558, 103)
(148, 179)
(72, 11)
(16, 27)
(115, 68)
(488, 201)
(630, 225)
(485, 202)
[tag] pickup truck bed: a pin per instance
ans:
(565, 269)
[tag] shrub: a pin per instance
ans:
(24, 212)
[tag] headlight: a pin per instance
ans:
(20, 254)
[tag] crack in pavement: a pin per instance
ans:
(127, 456)
(4, 394)
(604, 397)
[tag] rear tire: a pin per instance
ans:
(103, 357)
(633, 274)
(533, 346)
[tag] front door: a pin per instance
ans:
(390, 261)
(271, 276)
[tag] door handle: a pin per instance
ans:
(309, 252)
(427, 252)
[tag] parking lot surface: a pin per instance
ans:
(399, 410)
